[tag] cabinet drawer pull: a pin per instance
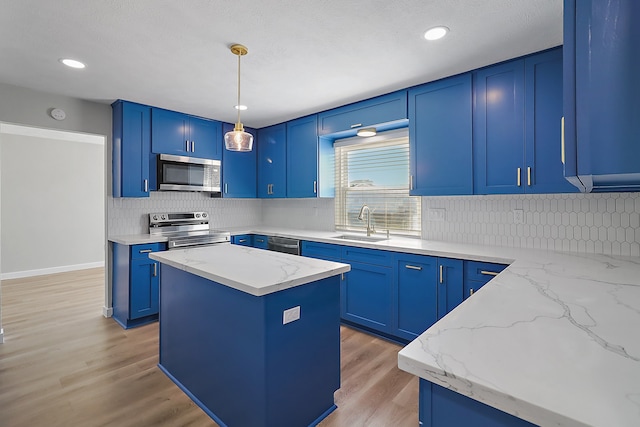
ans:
(155, 269)
(519, 170)
(562, 140)
(471, 291)
(529, 176)
(488, 273)
(260, 240)
(441, 279)
(242, 240)
(357, 125)
(413, 267)
(145, 251)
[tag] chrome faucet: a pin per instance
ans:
(364, 208)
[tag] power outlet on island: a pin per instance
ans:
(291, 315)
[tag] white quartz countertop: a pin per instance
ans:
(254, 271)
(553, 339)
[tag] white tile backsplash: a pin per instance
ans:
(130, 215)
(607, 223)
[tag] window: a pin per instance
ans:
(375, 172)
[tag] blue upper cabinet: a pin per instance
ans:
(499, 129)
(131, 149)
(302, 157)
(517, 127)
(184, 135)
(440, 137)
(389, 111)
(272, 159)
(543, 170)
(602, 94)
(239, 168)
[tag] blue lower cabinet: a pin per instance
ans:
(477, 274)
(136, 280)
(441, 407)
(242, 239)
(260, 241)
(450, 285)
(365, 295)
(416, 295)
(319, 250)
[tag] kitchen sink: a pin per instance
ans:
(360, 238)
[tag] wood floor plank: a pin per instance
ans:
(64, 364)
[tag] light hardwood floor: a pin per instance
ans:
(64, 364)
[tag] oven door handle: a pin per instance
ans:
(280, 245)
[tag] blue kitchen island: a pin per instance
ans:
(251, 336)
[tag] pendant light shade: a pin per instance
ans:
(238, 139)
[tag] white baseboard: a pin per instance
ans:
(51, 270)
(107, 311)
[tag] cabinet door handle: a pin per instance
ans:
(146, 185)
(357, 125)
(519, 170)
(529, 176)
(226, 188)
(155, 270)
(315, 187)
(242, 240)
(145, 251)
(471, 291)
(489, 273)
(562, 140)
(186, 143)
(413, 267)
(441, 279)
(342, 276)
(410, 182)
(193, 146)
(260, 240)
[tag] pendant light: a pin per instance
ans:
(238, 139)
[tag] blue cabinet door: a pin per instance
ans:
(477, 274)
(144, 288)
(440, 137)
(320, 250)
(602, 94)
(180, 134)
(131, 149)
(242, 239)
(416, 295)
(499, 129)
(272, 159)
(169, 133)
(206, 138)
(302, 157)
(383, 110)
(543, 116)
(450, 285)
(239, 169)
(260, 241)
(365, 296)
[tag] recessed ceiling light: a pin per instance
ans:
(240, 107)
(72, 63)
(436, 33)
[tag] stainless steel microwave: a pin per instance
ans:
(181, 173)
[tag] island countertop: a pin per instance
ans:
(254, 271)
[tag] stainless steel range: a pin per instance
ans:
(186, 229)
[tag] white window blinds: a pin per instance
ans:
(375, 172)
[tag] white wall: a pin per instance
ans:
(53, 201)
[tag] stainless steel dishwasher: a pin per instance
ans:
(284, 245)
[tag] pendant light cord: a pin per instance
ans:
(238, 107)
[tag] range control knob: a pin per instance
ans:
(204, 214)
(197, 215)
(155, 217)
(163, 217)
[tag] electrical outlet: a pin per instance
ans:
(436, 214)
(291, 315)
(518, 216)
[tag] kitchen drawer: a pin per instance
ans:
(260, 241)
(142, 251)
(481, 271)
(324, 251)
(368, 256)
(242, 239)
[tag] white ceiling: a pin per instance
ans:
(304, 55)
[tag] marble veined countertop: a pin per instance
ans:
(254, 271)
(553, 339)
